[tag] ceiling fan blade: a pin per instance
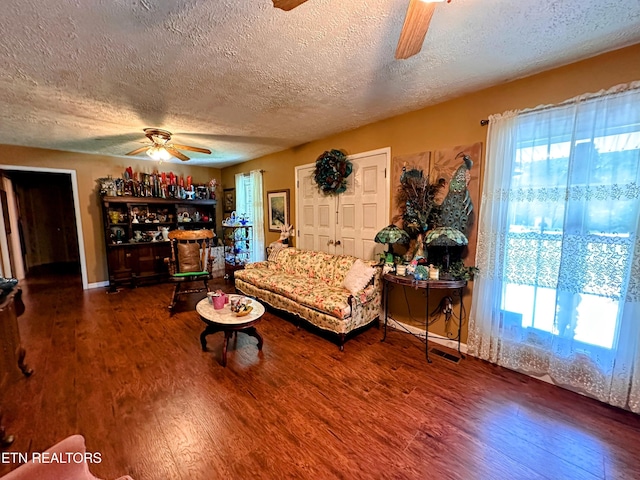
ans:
(138, 150)
(192, 149)
(176, 153)
(287, 4)
(415, 27)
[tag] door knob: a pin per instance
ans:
(330, 242)
(338, 243)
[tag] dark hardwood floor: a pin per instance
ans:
(134, 381)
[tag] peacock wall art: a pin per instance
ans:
(438, 214)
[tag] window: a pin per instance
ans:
(249, 202)
(571, 223)
(558, 292)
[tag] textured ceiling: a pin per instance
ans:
(245, 79)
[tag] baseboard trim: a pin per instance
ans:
(439, 339)
(97, 285)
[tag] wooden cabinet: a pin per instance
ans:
(135, 232)
(237, 248)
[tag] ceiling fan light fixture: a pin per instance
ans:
(158, 153)
(164, 155)
(153, 153)
(162, 148)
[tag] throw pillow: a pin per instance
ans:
(275, 250)
(358, 276)
(189, 257)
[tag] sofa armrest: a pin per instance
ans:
(263, 264)
(370, 292)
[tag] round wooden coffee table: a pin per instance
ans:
(224, 320)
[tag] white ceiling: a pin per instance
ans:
(245, 79)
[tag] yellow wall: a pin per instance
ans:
(88, 169)
(455, 122)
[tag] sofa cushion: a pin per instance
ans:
(311, 292)
(274, 250)
(326, 298)
(274, 281)
(342, 265)
(315, 265)
(285, 261)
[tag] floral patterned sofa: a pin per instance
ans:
(309, 285)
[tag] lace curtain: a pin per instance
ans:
(558, 292)
(249, 200)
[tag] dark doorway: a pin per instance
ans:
(46, 223)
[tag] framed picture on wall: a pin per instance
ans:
(229, 200)
(278, 207)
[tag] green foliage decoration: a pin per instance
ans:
(458, 271)
(331, 172)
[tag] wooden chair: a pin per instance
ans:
(191, 261)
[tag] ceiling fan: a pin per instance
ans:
(162, 148)
(416, 23)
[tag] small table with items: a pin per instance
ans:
(391, 279)
(224, 320)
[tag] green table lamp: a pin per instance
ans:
(391, 234)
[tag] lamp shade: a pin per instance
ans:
(445, 237)
(392, 234)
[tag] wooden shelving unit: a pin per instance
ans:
(133, 234)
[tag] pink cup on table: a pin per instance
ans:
(223, 295)
(218, 301)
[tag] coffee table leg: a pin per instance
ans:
(227, 335)
(203, 336)
(251, 331)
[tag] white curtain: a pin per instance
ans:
(558, 293)
(250, 201)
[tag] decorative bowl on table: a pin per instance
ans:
(240, 304)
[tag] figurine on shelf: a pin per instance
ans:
(420, 273)
(230, 221)
(117, 235)
(213, 183)
(202, 192)
(286, 231)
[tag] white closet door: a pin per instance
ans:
(345, 223)
(362, 209)
(316, 214)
